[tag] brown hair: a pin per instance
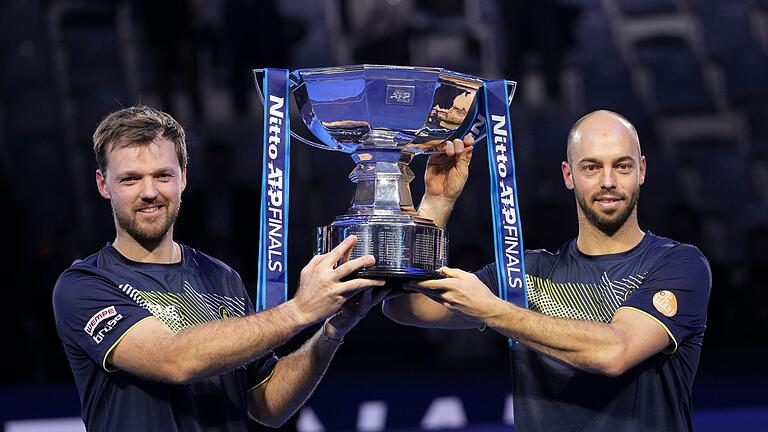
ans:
(137, 125)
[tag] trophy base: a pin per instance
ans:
(404, 248)
(395, 274)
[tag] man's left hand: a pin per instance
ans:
(353, 311)
(460, 292)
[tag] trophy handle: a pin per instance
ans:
(258, 75)
(511, 86)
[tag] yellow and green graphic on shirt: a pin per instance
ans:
(188, 308)
(582, 301)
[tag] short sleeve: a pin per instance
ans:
(93, 313)
(487, 275)
(675, 293)
(260, 371)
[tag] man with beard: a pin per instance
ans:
(612, 337)
(163, 337)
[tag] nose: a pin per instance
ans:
(148, 190)
(608, 180)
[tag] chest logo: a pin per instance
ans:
(665, 302)
(224, 312)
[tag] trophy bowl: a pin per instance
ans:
(384, 116)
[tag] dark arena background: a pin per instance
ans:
(692, 75)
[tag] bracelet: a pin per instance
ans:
(328, 338)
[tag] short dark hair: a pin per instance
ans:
(137, 125)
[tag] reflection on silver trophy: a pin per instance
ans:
(384, 116)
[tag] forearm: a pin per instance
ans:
(219, 346)
(294, 379)
(587, 345)
(438, 209)
(420, 311)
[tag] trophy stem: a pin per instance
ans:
(384, 220)
(383, 180)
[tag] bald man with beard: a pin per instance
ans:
(613, 333)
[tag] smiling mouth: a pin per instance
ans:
(608, 199)
(150, 210)
(608, 203)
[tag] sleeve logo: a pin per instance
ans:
(99, 317)
(665, 302)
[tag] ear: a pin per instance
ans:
(183, 179)
(567, 175)
(642, 169)
(101, 184)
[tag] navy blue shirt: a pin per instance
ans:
(97, 301)
(660, 278)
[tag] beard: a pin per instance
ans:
(147, 232)
(608, 223)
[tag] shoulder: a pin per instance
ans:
(208, 264)
(201, 259)
(82, 279)
(665, 252)
(678, 267)
(86, 270)
(534, 257)
(540, 262)
(536, 261)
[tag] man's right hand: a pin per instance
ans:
(321, 292)
(444, 179)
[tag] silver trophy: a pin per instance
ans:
(384, 116)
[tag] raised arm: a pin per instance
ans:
(444, 180)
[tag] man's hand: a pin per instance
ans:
(444, 179)
(447, 172)
(353, 311)
(321, 292)
(460, 292)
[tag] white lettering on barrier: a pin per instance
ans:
(509, 411)
(372, 416)
(444, 412)
(308, 421)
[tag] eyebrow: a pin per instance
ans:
(596, 161)
(132, 173)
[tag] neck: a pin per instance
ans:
(592, 241)
(165, 251)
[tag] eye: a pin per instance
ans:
(625, 166)
(590, 168)
(164, 177)
(128, 180)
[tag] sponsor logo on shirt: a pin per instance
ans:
(665, 302)
(98, 337)
(224, 312)
(100, 316)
